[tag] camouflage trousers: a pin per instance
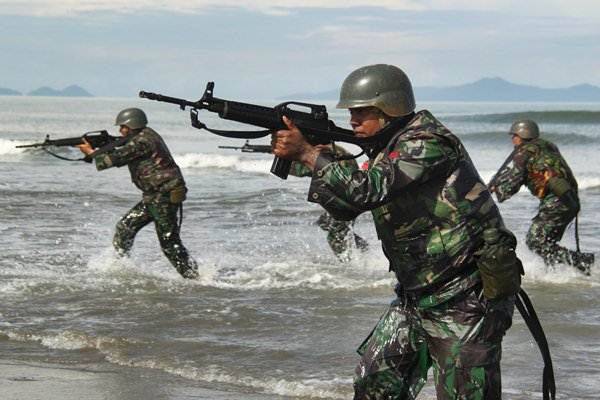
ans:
(164, 216)
(461, 339)
(340, 235)
(548, 228)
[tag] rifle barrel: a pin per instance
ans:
(168, 99)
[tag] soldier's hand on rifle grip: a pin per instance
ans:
(86, 147)
(290, 144)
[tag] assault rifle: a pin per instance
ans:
(96, 139)
(250, 148)
(314, 123)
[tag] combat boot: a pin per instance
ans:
(582, 261)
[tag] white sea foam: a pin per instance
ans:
(335, 387)
(7, 146)
(106, 271)
(537, 271)
(68, 340)
(587, 182)
(269, 275)
(237, 163)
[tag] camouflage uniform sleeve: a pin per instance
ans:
(131, 150)
(346, 191)
(300, 170)
(512, 177)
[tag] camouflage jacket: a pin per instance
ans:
(533, 164)
(428, 203)
(150, 163)
(300, 170)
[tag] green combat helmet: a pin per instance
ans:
(525, 129)
(383, 86)
(133, 118)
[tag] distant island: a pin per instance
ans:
(69, 91)
(9, 92)
(486, 89)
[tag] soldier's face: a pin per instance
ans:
(365, 121)
(124, 130)
(516, 140)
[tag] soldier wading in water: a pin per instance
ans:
(537, 164)
(155, 173)
(340, 233)
(441, 232)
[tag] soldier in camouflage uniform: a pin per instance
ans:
(538, 164)
(155, 173)
(434, 216)
(340, 233)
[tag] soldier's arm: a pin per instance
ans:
(509, 181)
(130, 151)
(347, 191)
(300, 170)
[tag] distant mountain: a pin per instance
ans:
(69, 91)
(498, 89)
(44, 91)
(486, 89)
(76, 91)
(9, 92)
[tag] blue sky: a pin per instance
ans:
(267, 49)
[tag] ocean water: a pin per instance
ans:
(274, 313)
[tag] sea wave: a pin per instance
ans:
(332, 388)
(543, 117)
(363, 271)
(106, 272)
(114, 351)
(237, 163)
(7, 146)
(502, 137)
(588, 182)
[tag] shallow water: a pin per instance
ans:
(274, 313)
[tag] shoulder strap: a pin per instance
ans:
(527, 311)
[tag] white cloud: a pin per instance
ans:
(353, 38)
(53, 8)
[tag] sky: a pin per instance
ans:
(271, 48)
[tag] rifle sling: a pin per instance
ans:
(527, 311)
(234, 134)
(61, 157)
